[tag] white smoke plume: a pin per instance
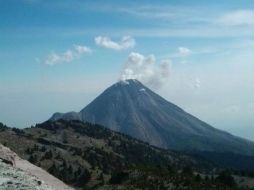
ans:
(145, 69)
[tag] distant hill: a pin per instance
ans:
(130, 107)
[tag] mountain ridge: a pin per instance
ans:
(132, 108)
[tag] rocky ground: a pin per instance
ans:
(14, 178)
(19, 174)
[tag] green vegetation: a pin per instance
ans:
(88, 156)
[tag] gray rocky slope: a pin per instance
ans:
(19, 174)
(132, 108)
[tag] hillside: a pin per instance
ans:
(87, 156)
(84, 154)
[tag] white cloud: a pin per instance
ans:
(237, 18)
(125, 43)
(165, 13)
(82, 49)
(53, 58)
(145, 69)
(68, 56)
(199, 16)
(184, 52)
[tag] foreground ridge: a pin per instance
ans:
(88, 156)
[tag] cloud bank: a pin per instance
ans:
(68, 56)
(125, 43)
(145, 69)
(238, 18)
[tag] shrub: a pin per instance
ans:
(226, 178)
(118, 177)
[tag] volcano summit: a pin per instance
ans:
(131, 108)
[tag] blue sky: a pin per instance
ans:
(58, 55)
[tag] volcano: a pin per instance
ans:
(132, 108)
